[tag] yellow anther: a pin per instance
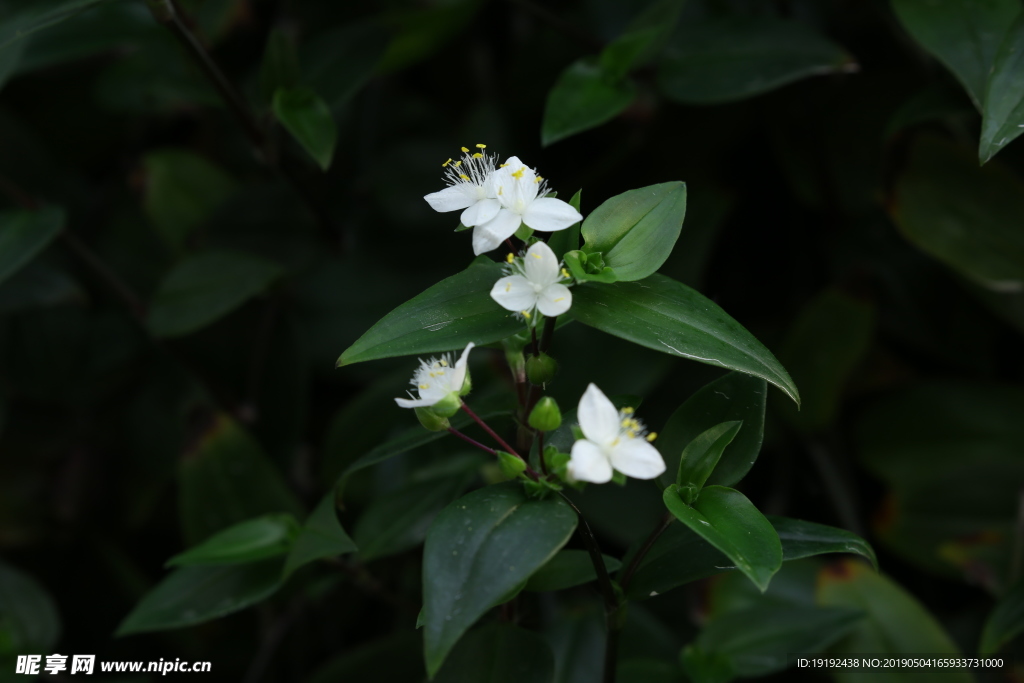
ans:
(631, 434)
(565, 273)
(446, 163)
(502, 165)
(478, 155)
(444, 363)
(511, 257)
(561, 298)
(519, 174)
(526, 314)
(537, 179)
(424, 386)
(501, 190)
(479, 146)
(625, 423)
(464, 176)
(457, 164)
(652, 436)
(433, 374)
(535, 255)
(465, 149)
(627, 410)
(616, 442)
(508, 287)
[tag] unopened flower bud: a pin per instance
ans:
(447, 406)
(511, 465)
(541, 369)
(545, 416)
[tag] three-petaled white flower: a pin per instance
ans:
(438, 379)
(613, 439)
(516, 195)
(468, 187)
(534, 282)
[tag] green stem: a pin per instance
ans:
(634, 564)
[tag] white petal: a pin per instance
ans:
(548, 214)
(481, 212)
(554, 300)
(636, 458)
(541, 265)
(514, 293)
(513, 163)
(588, 463)
(488, 236)
(453, 198)
(415, 402)
(459, 373)
(598, 418)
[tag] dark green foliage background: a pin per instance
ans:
(841, 217)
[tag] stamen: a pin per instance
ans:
(424, 386)
(652, 436)
(535, 255)
(464, 176)
(444, 362)
(502, 165)
(479, 146)
(627, 410)
(465, 149)
(511, 257)
(508, 287)
(478, 155)
(526, 314)
(519, 174)
(457, 164)
(561, 298)
(565, 273)
(445, 164)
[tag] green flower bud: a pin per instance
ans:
(555, 460)
(541, 369)
(467, 385)
(545, 416)
(431, 420)
(511, 466)
(447, 406)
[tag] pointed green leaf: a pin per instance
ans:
(480, 548)
(567, 569)
(726, 519)
(204, 288)
(724, 60)
(962, 34)
(895, 623)
(1005, 622)
(670, 317)
(500, 653)
(447, 316)
(583, 97)
(248, 541)
(321, 536)
(805, 539)
(192, 595)
(309, 120)
(1003, 111)
(30, 622)
(701, 455)
(40, 15)
(636, 230)
(732, 397)
(24, 234)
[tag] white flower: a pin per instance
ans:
(534, 283)
(468, 187)
(516, 195)
(612, 439)
(437, 379)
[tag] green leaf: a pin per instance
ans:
(398, 521)
(802, 539)
(24, 234)
(636, 230)
(821, 351)
(309, 120)
(725, 60)
(563, 241)
(227, 479)
(726, 519)
(206, 287)
(966, 217)
(915, 441)
(500, 653)
(1003, 111)
(670, 317)
(193, 595)
(894, 624)
(43, 14)
(760, 640)
(567, 569)
(480, 548)
(583, 97)
(29, 621)
(461, 305)
(962, 34)
(643, 38)
(280, 66)
(734, 397)
(701, 455)
(321, 536)
(391, 658)
(1006, 621)
(254, 539)
(182, 192)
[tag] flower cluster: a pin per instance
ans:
(534, 282)
(496, 199)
